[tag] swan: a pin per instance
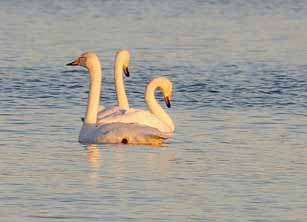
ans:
(121, 64)
(116, 132)
(156, 117)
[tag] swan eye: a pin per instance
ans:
(124, 141)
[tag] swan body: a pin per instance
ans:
(126, 133)
(136, 116)
(116, 132)
(156, 117)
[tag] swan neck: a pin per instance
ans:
(155, 108)
(94, 95)
(122, 100)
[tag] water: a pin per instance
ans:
(240, 78)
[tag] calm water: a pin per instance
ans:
(240, 105)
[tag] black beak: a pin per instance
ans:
(126, 71)
(70, 64)
(167, 101)
(74, 63)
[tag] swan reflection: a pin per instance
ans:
(93, 156)
(94, 161)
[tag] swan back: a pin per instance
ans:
(135, 116)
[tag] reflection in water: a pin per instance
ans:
(93, 156)
(159, 161)
(94, 160)
(119, 160)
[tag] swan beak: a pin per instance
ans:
(126, 71)
(167, 101)
(74, 63)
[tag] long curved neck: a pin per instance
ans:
(155, 108)
(122, 100)
(94, 95)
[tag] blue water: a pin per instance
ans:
(239, 71)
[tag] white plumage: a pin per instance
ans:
(121, 124)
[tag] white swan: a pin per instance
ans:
(121, 65)
(156, 117)
(91, 132)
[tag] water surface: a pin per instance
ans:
(240, 79)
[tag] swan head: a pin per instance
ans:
(88, 60)
(168, 92)
(122, 59)
(166, 86)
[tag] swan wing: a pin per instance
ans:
(108, 112)
(137, 116)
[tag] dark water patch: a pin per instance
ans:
(75, 86)
(34, 80)
(73, 71)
